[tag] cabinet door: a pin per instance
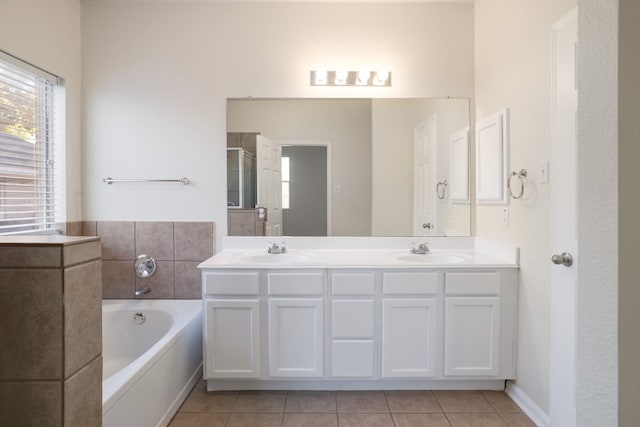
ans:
(472, 336)
(409, 337)
(296, 337)
(232, 339)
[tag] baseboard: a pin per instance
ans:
(528, 406)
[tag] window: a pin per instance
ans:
(285, 183)
(31, 181)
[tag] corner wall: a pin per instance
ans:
(513, 70)
(46, 33)
(629, 212)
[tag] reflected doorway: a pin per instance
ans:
(304, 190)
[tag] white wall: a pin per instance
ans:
(157, 76)
(346, 123)
(513, 69)
(598, 198)
(46, 33)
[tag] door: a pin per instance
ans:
(424, 215)
(472, 336)
(409, 341)
(233, 339)
(296, 337)
(562, 406)
(269, 183)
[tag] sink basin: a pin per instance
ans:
(266, 258)
(429, 258)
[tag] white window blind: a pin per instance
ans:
(29, 189)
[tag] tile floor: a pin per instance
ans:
(349, 409)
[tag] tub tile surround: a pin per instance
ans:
(177, 247)
(50, 360)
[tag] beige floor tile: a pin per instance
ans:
(462, 401)
(362, 401)
(255, 420)
(421, 420)
(311, 401)
(200, 400)
(310, 420)
(477, 419)
(260, 401)
(501, 401)
(517, 419)
(184, 419)
(412, 401)
(365, 420)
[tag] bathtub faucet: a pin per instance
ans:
(142, 291)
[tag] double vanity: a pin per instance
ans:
(357, 314)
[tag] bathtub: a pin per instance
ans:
(150, 360)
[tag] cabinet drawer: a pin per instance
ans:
(353, 284)
(410, 283)
(351, 358)
(353, 318)
(296, 283)
(472, 283)
(240, 283)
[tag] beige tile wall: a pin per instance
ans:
(177, 247)
(51, 334)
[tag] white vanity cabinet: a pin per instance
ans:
(232, 324)
(359, 328)
(296, 323)
(479, 332)
(353, 324)
(411, 316)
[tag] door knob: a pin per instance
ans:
(564, 258)
(427, 226)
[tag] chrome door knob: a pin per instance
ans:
(564, 258)
(427, 226)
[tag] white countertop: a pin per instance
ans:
(371, 252)
(356, 258)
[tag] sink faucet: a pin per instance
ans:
(277, 248)
(421, 249)
(142, 291)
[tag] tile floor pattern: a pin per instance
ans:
(349, 409)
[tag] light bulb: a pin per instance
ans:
(381, 77)
(363, 77)
(341, 77)
(321, 77)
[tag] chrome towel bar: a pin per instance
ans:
(183, 181)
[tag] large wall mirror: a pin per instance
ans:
(348, 167)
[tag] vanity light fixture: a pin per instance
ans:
(323, 77)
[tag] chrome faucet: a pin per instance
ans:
(142, 291)
(277, 248)
(421, 249)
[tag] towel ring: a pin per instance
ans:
(441, 189)
(521, 176)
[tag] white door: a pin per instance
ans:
(472, 336)
(233, 339)
(269, 183)
(563, 278)
(296, 337)
(409, 341)
(424, 215)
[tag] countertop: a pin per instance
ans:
(356, 258)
